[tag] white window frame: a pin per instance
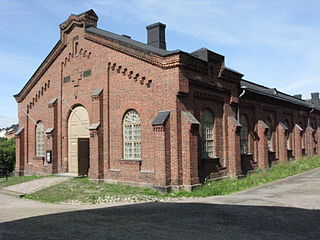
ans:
(131, 135)
(207, 132)
(244, 134)
(270, 134)
(40, 140)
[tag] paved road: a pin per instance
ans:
(287, 209)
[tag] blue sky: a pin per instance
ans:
(273, 43)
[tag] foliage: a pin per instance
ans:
(8, 153)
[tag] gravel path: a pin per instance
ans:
(35, 185)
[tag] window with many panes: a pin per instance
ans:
(288, 134)
(270, 134)
(40, 149)
(207, 121)
(132, 135)
(244, 133)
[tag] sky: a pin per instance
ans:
(274, 43)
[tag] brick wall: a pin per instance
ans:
(148, 83)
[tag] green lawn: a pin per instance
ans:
(81, 190)
(279, 171)
(16, 180)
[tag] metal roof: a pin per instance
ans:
(274, 93)
(128, 41)
(191, 118)
(160, 118)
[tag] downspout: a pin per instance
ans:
(309, 117)
(238, 109)
(108, 115)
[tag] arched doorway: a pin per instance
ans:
(78, 141)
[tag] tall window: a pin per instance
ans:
(269, 134)
(132, 135)
(244, 133)
(288, 134)
(303, 140)
(207, 134)
(40, 149)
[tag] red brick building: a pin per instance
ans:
(122, 111)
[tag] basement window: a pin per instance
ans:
(66, 79)
(87, 73)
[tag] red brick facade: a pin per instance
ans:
(125, 75)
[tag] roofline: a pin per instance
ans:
(303, 102)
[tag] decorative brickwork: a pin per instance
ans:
(173, 146)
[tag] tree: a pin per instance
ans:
(8, 153)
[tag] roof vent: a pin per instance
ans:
(156, 35)
(126, 36)
(298, 96)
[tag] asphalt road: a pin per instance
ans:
(286, 209)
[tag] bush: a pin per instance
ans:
(8, 153)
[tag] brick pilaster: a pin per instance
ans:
(94, 172)
(298, 134)
(282, 146)
(262, 130)
(190, 136)
(20, 158)
(309, 141)
(160, 153)
(317, 138)
(234, 146)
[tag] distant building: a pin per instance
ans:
(3, 133)
(9, 132)
(122, 111)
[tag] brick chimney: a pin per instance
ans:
(315, 98)
(157, 35)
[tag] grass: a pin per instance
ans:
(16, 180)
(81, 190)
(230, 185)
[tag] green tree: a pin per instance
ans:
(8, 153)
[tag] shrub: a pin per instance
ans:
(8, 153)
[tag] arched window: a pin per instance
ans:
(131, 135)
(288, 134)
(269, 134)
(40, 149)
(207, 121)
(244, 133)
(302, 135)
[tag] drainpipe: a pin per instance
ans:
(309, 117)
(238, 109)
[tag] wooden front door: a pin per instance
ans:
(83, 156)
(78, 128)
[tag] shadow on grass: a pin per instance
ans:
(170, 221)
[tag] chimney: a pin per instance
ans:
(298, 96)
(315, 98)
(157, 35)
